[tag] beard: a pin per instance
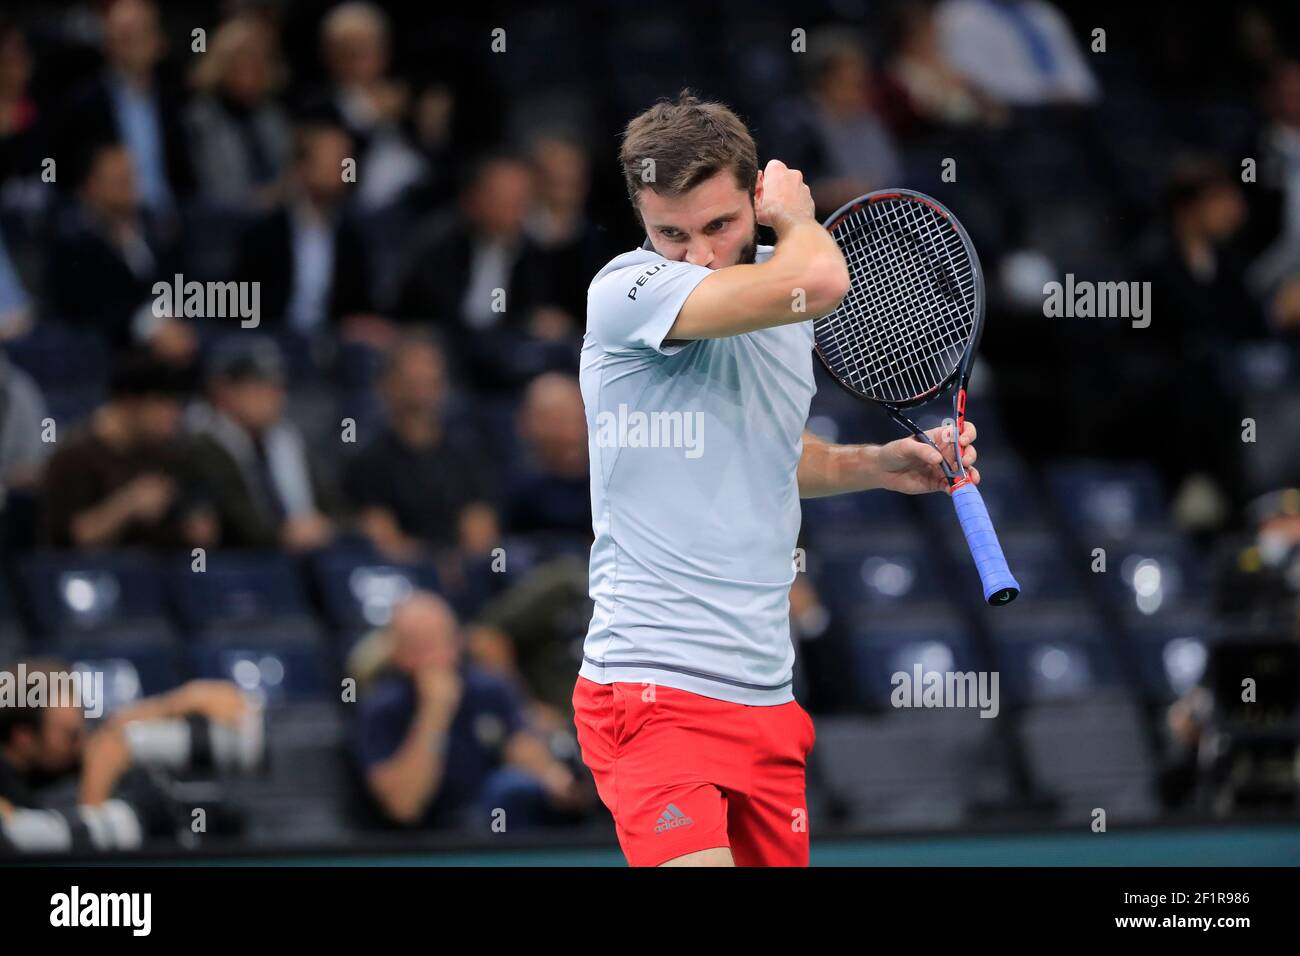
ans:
(750, 252)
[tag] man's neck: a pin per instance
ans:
(418, 430)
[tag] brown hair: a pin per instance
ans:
(688, 142)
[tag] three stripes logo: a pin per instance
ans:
(672, 818)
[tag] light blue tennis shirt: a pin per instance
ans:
(694, 494)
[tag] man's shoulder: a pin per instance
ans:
(628, 260)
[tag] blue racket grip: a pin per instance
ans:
(999, 586)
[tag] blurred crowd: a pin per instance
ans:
(421, 215)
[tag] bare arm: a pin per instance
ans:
(905, 465)
(744, 298)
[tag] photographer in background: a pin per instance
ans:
(46, 750)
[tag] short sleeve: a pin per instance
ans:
(634, 307)
(382, 723)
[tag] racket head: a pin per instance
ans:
(936, 297)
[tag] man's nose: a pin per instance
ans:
(700, 253)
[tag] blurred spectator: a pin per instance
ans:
(109, 245)
(240, 135)
(463, 259)
(571, 246)
(832, 133)
(22, 411)
(370, 105)
(422, 484)
(307, 253)
(19, 151)
(531, 633)
(1195, 271)
(1199, 311)
(444, 743)
(1019, 52)
(265, 485)
(1275, 210)
(128, 103)
(551, 490)
(41, 747)
(1258, 572)
(125, 481)
(15, 303)
(475, 274)
(928, 88)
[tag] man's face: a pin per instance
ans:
(418, 383)
(54, 747)
(498, 203)
(712, 225)
(157, 419)
(132, 37)
(110, 187)
(424, 635)
(254, 404)
(319, 167)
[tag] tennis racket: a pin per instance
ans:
(907, 332)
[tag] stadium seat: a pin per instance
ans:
(301, 796)
(359, 589)
(1052, 656)
(1171, 654)
(889, 645)
(241, 592)
(278, 670)
(860, 574)
(131, 669)
(109, 595)
(1104, 498)
(912, 769)
(1089, 754)
(1152, 575)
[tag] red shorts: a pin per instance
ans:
(681, 772)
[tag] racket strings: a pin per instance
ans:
(910, 311)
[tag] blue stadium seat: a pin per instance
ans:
(359, 589)
(1152, 575)
(239, 592)
(111, 595)
(1171, 654)
(279, 671)
(896, 643)
(1104, 498)
(846, 519)
(913, 769)
(862, 574)
(131, 669)
(1089, 754)
(1047, 657)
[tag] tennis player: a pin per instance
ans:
(697, 375)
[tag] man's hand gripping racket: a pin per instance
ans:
(907, 331)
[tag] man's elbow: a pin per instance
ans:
(828, 284)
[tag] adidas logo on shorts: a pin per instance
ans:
(672, 818)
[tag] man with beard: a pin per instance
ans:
(697, 376)
(123, 482)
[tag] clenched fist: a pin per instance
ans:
(781, 197)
